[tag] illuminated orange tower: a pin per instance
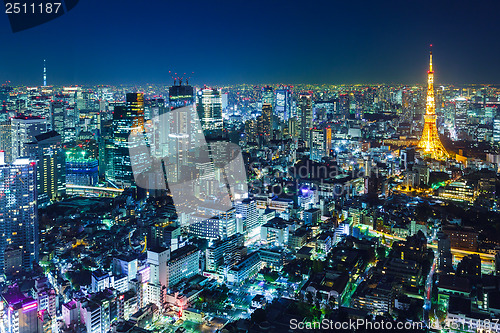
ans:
(430, 144)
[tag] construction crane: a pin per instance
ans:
(180, 79)
(188, 78)
(173, 77)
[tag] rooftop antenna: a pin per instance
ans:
(430, 61)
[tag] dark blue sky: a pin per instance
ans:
(272, 41)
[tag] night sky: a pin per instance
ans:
(272, 41)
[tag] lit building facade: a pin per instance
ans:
(305, 111)
(209, 108)
(51, 169)
(125, 120)
(80, 169)
(23, 130)
(21, 313)
(283, 104)
(18, 215)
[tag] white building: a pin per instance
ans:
(184, 263)
(70, 313)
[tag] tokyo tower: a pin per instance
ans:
(430, 144)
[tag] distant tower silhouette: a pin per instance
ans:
(429, 143)
(44, 74)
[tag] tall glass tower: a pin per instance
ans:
(209, 108)
(18, 215)
(126, 119)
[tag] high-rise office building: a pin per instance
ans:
(72, 117)
(51, 171)
(18, 215)
(178, 122)
(23, 130)
(283, 104)
(126, 119)
(153, 109)
(57, 116)
(445, 256)
(264, 123)
(267, 95)
(106, 148)
(320, 143)
(496, 129)
(305, 111)
(251, 130)
(6, 139)
(344, 105)
(176, 140)
(209, 108)
(179, 96)
(247, 218)
(461, 121)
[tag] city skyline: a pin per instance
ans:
(247, 195)
(284, 43)
(196, 209)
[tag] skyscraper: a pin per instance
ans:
(305, 110)
(51, 171)
(461, 128)
(106, 149)
(179, 96)
(57, 116)
(320, 143)
(209, 108)
(6, 139)
(429, 143)
(154, 108)
(23, 130)
(283, 104)
(173, 146)
(264, 123)
(267, 95)
(125, 120)
(496, 128)
(344, 105)
(18, 213)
